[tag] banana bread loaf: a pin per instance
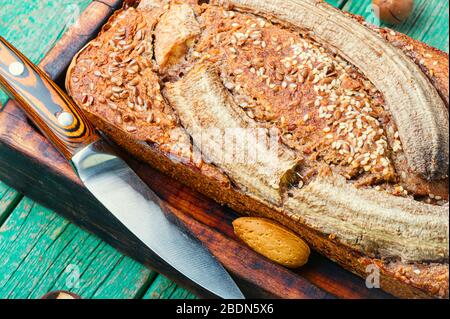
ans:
(290, 110)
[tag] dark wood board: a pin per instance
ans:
(31, 165)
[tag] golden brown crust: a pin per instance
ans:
(152, 141)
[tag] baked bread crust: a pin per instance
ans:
(401, 279)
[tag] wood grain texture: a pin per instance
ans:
(163, 288)
(31, 24)
(41, 251)
(428, 23)
(9, 198)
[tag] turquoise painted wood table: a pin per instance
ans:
(41, 251)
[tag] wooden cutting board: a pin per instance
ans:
(31, 165)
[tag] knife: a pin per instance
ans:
(107, 176)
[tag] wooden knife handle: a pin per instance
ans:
(56, 115)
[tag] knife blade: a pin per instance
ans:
(115, 185)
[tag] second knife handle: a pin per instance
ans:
(45, 103)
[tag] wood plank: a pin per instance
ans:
(134, 288)
(429, 21)
(20, 22)
(41, 251)
(163, 288)
(9, 198)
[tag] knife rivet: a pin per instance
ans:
(16, 68)
(65, 119)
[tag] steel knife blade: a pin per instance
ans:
(115, 185)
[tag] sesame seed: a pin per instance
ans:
(229, 85)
